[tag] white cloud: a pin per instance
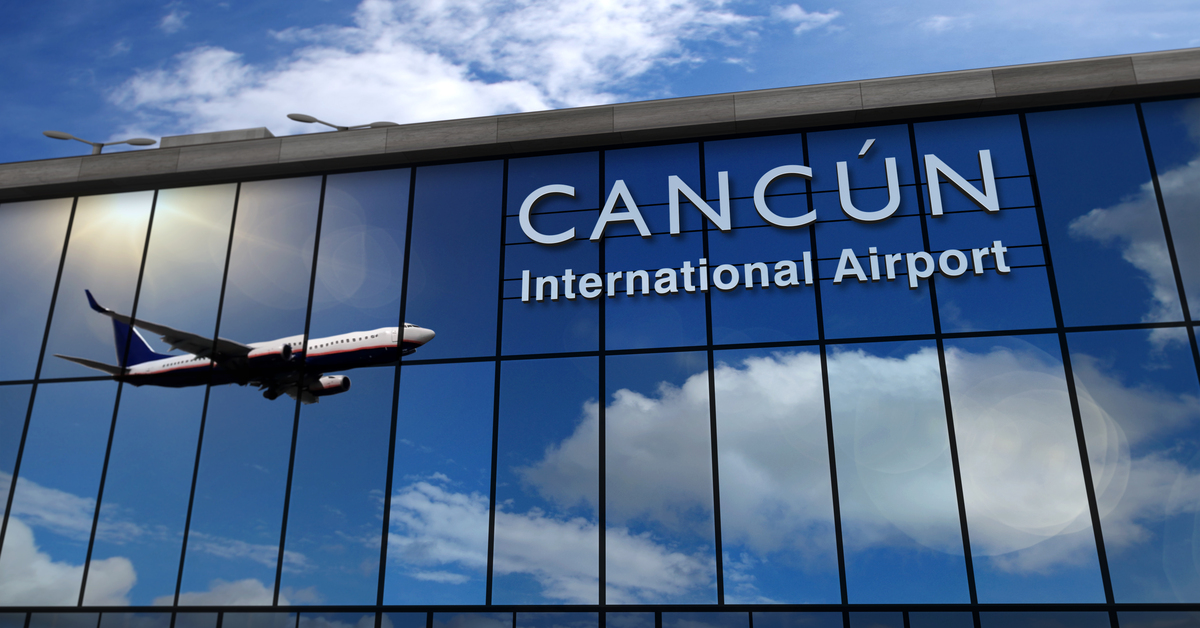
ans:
(172, 22)
(412, 61)
(67, 514)
(263, 554)
(1019, 459)
(30, 577)
(248, 592)
(804, 20)
(943, 23)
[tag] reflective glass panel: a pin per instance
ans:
(404, 620)
(340, 468)
(557, 620)
(641, 312)
(547, 483)
(1045, 619)
(258, 620)
(776, 501)
(14, 405)
(135, 620)
(31, 239)
(797, 620)
(1174, 129)
(54, 501)
(1027, 509)
(195, 620)
(1138, 401)
(877, 620)
(1157, 619)
(1106, 237)
(472, 620)
(108, 235)
(154, 445)
(12, 620)
(705, 620)
(900, 523)
(944, 619)
(64, 620)
(628, 620)
(547, 313)
(441, 483)
(453, 261)
(233, 541)
(659, 536)
(342, 620)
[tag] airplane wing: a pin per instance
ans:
(92, 364)
(196, 344)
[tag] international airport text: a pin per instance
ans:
(874, 266)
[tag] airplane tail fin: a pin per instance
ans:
(139, 349)
(126, 335)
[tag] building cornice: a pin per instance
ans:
(1116, 78)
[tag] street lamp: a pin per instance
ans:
(301, 117)
(98, 146)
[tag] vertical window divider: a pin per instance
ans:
(1166, 224)
(187, 522)
(968, 559)
(112, 426)
(1068, 373)
(602, 445)
(828, 406)
(287, 491)
(37, 374)
(391, 463)
(712, 401)
(491, 548)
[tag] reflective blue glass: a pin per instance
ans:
(438, 524)
(14, 405)
(64, 620)
(472, 620)
(777, 526)
(706, 620)
(31, 239)
(233, 542)
(645, 320)
(659, 536)
(12, 620)
(1106, 238)
(108, 235)
(797, 620)
(547, 548)
(942, 619)
(258, 620)
(1137, 395)
(826, 148)
(1022, 480)
(340, 468)
(154, 444)
(557, 620)
(404, 620)
(899, 509)
(555, 317)
(54, 501)
(876, 620)
(1153, 619)
(452, 270)
(1045, 619)
(628, 620)
(1174, 130)
(135, 620)
(747, 160)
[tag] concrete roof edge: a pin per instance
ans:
(1051, 83)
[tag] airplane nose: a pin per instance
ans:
(418, 335)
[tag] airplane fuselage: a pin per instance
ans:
(276, 358)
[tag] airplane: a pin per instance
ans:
(277, 367)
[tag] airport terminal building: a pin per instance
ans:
(914, 352)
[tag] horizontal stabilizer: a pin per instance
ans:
(92, 364)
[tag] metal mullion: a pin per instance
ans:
(602, 420)
(1162, 213)
(112, 427)
(712, 403)
(187, 522)
(37, 372)
(491, 551)
(1068, 373)
(391, 464)
(828, 406)
(287, 491)
(951, 434)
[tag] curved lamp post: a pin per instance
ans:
(98, 146)
(301, 117)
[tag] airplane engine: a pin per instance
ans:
(329, 385)
(286, 352)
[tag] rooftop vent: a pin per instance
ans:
(175, 141)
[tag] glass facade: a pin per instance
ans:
(936, 373)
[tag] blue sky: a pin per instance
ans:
(112, 70)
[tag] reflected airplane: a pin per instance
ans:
(273, 366)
